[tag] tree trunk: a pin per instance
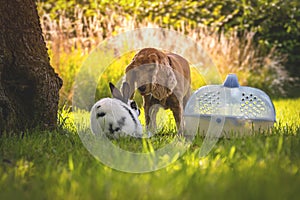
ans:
(29, 87)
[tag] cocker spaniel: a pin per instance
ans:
(162, 78)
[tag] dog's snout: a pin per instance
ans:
(142, 88)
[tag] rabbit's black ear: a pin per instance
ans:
(116, 92)
(126, 91)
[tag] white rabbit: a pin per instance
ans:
(116, 117)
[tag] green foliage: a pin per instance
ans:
(55, 165)
(72, 28)
(277, 22)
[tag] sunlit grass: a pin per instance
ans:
(55, 165)
(287, 113)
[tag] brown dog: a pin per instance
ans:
(162, 79)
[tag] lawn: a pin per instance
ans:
(56, 165)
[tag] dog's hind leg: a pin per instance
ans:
(151, 110)
(153, 113)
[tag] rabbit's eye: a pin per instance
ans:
(133, 105)
(101, 114)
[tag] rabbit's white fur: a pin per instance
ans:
(115, 118)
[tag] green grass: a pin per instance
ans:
(55, 165)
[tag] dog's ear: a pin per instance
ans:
(165, 77)
(172, 80)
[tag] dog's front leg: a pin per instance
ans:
(148, 109)
(151, 108)
(178, 116)
(153, 113)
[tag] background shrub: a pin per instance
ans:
(257, 39)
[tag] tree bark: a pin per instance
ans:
(29, 87)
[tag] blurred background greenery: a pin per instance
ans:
(257, 39)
